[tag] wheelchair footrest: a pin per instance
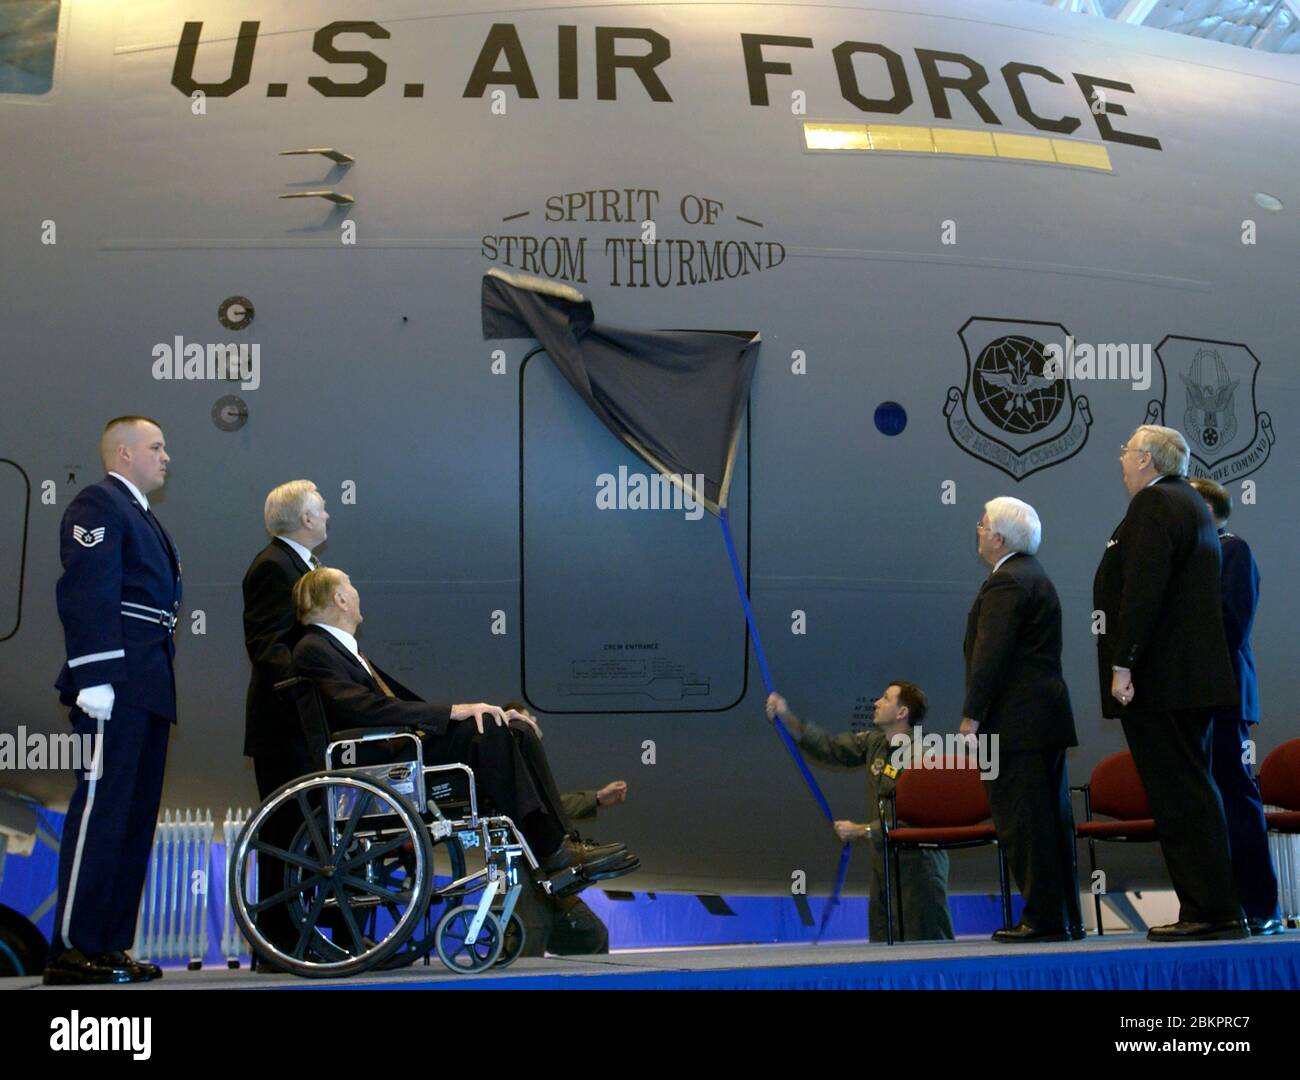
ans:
(630, 864)
(574, 879)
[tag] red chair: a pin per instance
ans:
(1115, 790)
(1279, 785)
(945, 808)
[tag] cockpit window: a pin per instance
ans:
(29, 31)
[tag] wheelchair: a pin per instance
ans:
(369, 831)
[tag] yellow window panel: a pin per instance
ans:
(1090, 155)
(1024, 147)
(905, 138)
(900, 137)
(959, 141)
(836, 137)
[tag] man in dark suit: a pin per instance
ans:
(509, 764)
(296, 520)
(1016, 693)
(1164, 668)
(118, 600)
(1230, 728)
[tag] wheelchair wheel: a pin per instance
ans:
(512, 942)
(458, 953)
(358, 850)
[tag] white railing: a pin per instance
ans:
(181, 881)
(173, 919)
(232, 941)
(1285, 851)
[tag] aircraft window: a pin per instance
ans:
(29, 32)
(891, 418)
(958, 142)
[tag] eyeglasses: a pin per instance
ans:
(981, 526)
(1124, 448)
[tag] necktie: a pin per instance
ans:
(314, 562)
(375, 675)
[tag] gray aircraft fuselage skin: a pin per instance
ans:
(1033, 179)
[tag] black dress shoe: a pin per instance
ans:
(1229, 930)
(143, 967)
(1077, 933)
(74, 968)
(1264, 927)
(1022, 932)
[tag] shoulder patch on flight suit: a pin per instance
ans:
(877, 765)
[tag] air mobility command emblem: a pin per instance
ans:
(1014, 412)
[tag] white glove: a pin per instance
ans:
(96, 701)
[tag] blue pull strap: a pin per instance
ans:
(813, 786)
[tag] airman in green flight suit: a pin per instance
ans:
(882, 750)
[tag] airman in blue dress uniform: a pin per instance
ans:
(119, 599)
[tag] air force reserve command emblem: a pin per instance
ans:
(1012, 412)
(88, 537)
(1213, 404)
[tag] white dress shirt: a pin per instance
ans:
(348, 642)
(304, 553)
(998, 565)
(139, 495)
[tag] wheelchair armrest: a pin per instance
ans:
(369, 734)
(385, 738)
(284, 684)
(353, 736)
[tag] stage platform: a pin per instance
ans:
(1114, 962)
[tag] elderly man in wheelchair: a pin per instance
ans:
(405, 782)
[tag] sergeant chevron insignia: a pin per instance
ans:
(88, 537)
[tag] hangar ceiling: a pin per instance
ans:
(1267, 25)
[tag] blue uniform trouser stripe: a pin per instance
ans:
(107, 840)
(89, 778)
